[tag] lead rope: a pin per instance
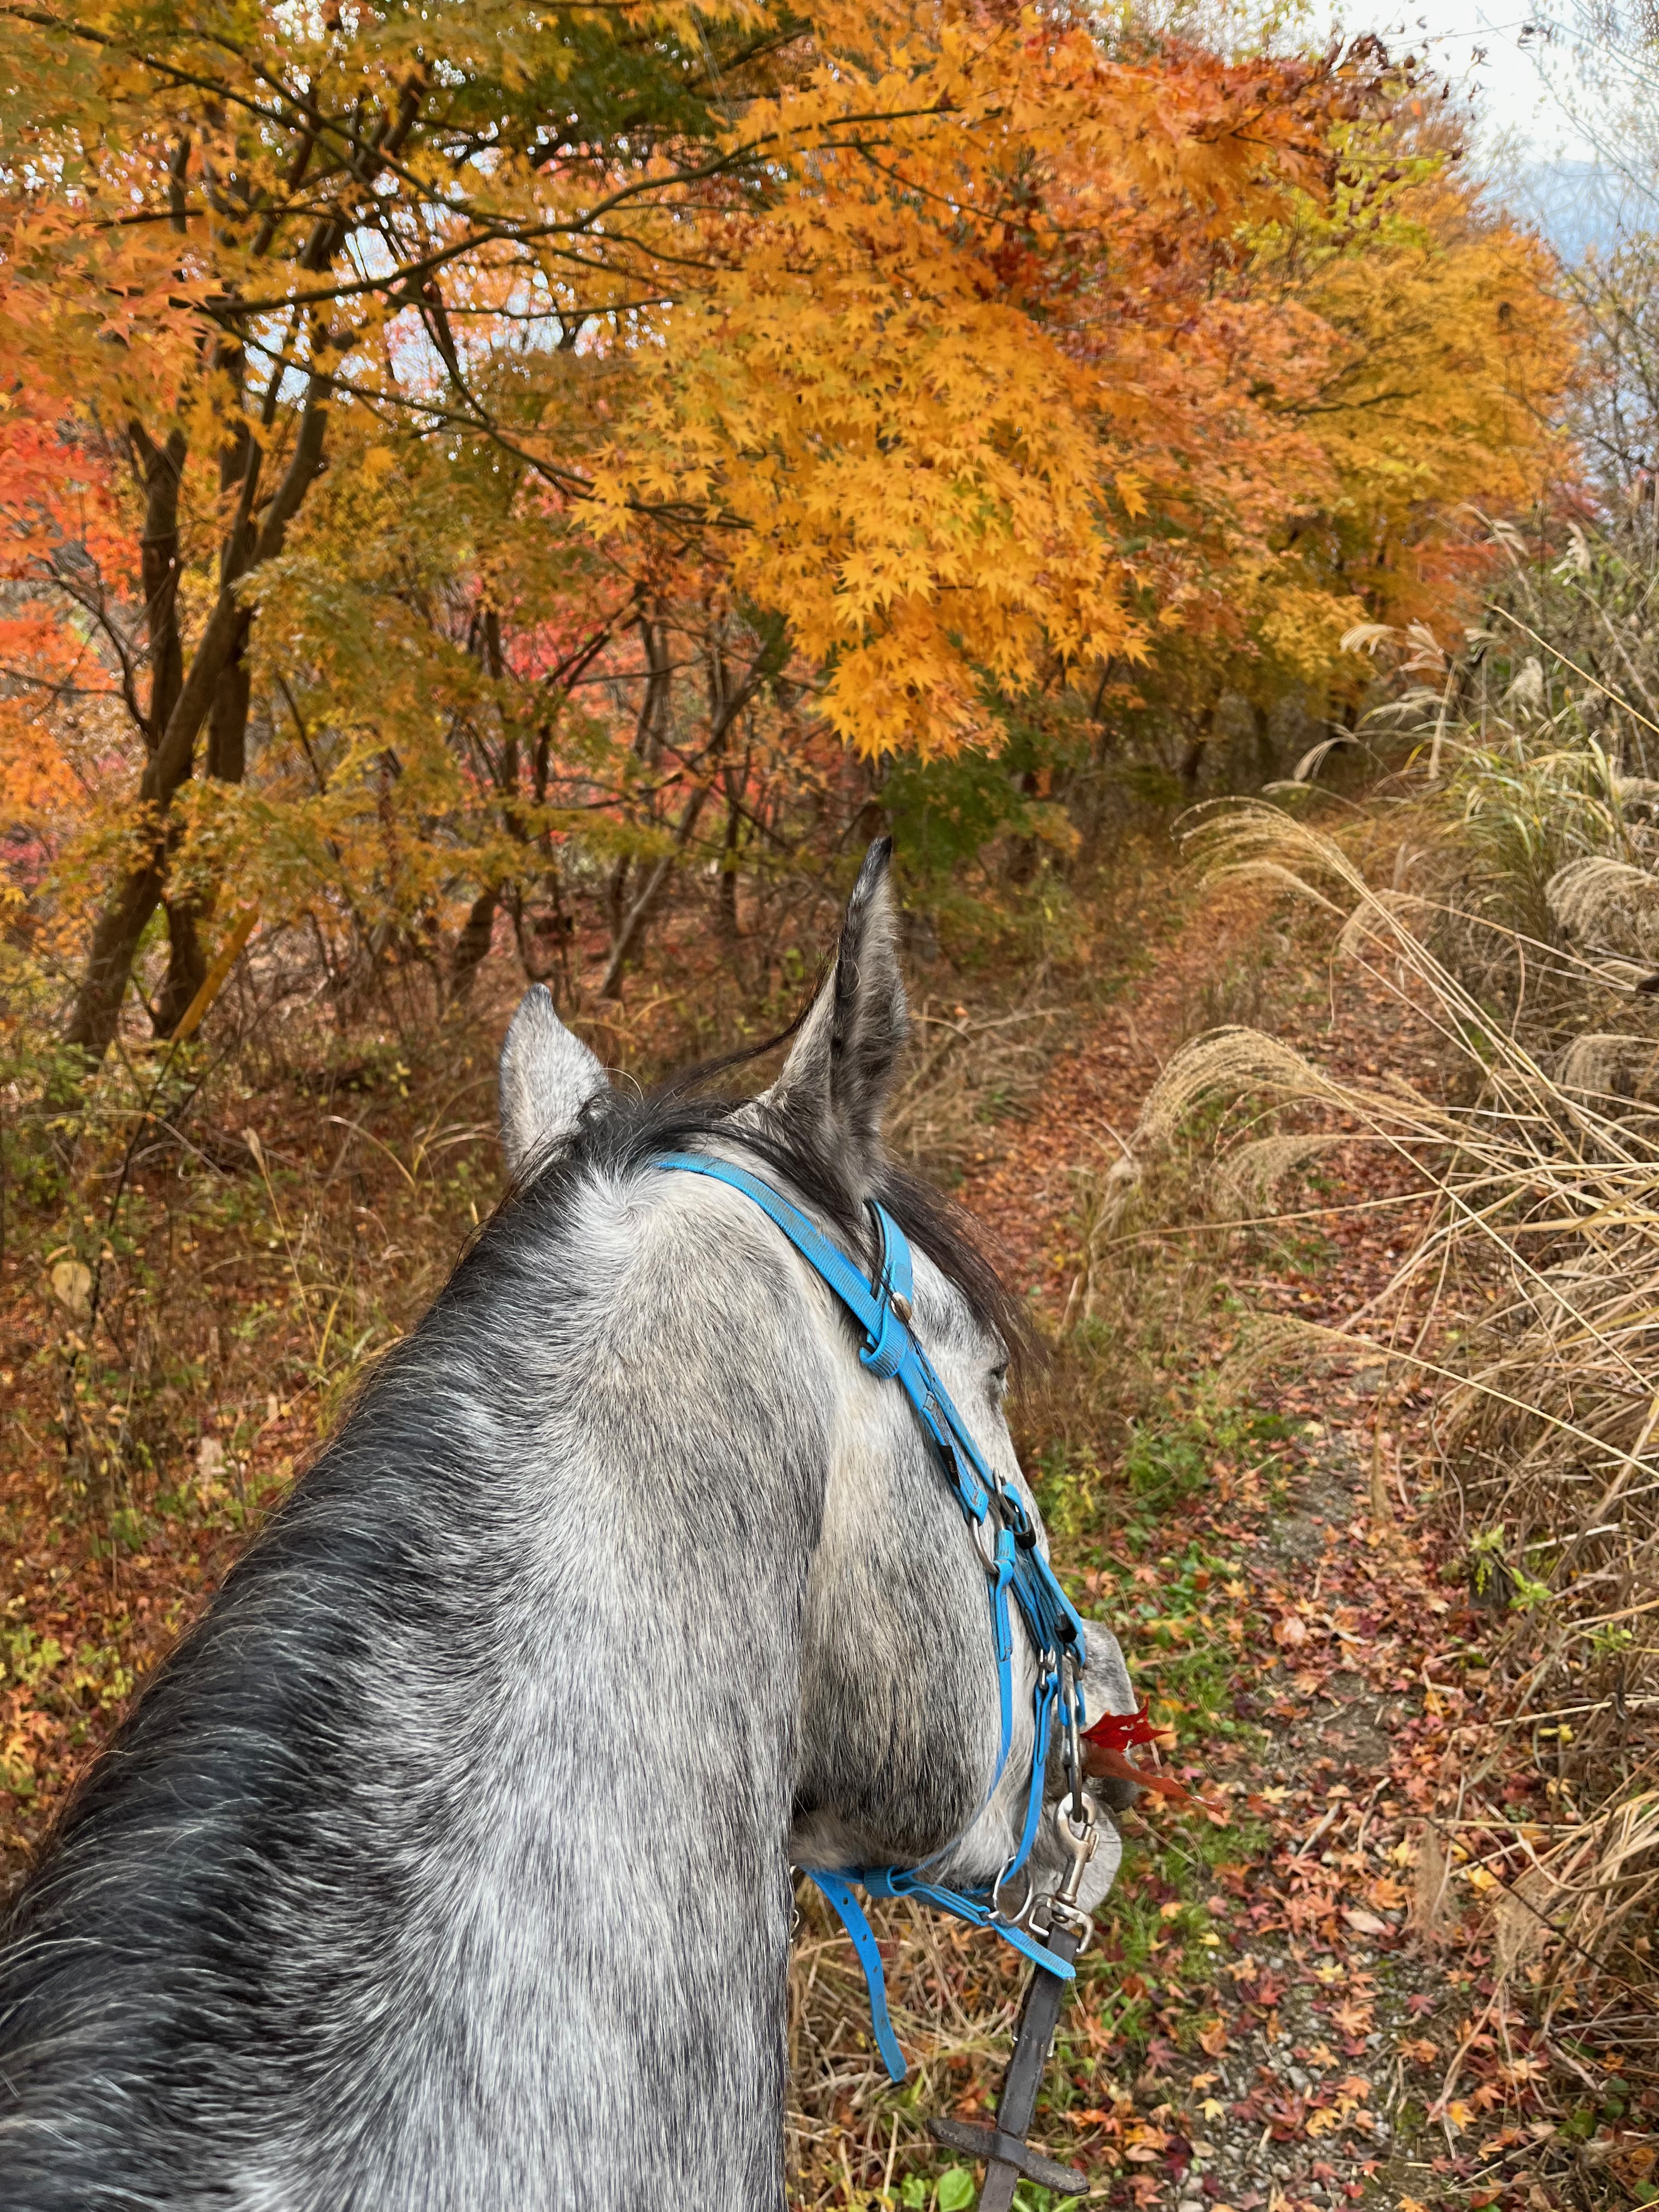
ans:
(1006, 1542)
(1009, 2158)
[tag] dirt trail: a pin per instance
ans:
(1332, 2036)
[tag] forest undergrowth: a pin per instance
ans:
(1313, 2001)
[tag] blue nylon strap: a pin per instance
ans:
(1003, 1629)
(887, 1339)
(893, 1283)
(1021, 1572)
(839, 1891)
(898, 1280)
(902, 1881)
(1045, 1708)
(972, 1906)
(898, 1882)
(827, 1259)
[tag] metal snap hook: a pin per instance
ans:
(1079, 1840)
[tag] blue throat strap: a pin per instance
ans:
(1007, 1542)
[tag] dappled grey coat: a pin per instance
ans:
(445, 1863)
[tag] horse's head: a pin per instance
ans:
(899, 1719)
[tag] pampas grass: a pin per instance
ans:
(1530, 1299)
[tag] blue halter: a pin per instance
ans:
(1015, 1567)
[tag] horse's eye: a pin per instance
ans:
(999, 1377)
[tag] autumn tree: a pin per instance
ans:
(222, 231)
(480, 460)
(932, 389)
(1426, 354)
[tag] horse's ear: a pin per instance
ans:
(836, 1080)
(547, 1077)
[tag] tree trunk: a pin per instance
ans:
(227, 746)
(473, 945)
(726, 904)
(724, 707)
(1022, 851)
(97, 1010)
(248, 543)
(226, 754)
(1266, 760)
(1192, 761)
(161, 468)
(186, 965)
(114, 940)
(628, 938)
(227, 760)
(477, 932)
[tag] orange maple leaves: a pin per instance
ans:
(971, 351)
(962, 385)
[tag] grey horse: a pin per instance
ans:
(446, 1864)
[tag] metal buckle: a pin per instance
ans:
(987, 1531)
(1022, 1918)
(1062, 1915)
(1013, 1511)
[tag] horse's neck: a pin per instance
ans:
(511, 1691)
(604, 1937)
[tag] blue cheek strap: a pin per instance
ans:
(1015, 1566)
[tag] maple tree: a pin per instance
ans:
(927, 386)
(454, 462)
(888, 503)
(1417, 352)
(225, 232)
(1452, 351)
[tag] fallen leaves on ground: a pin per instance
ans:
(1318, 2031)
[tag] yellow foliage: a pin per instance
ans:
(932, 479)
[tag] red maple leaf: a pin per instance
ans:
(1108, 1743)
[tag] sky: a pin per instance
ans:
(1478, 46)
(1537, 158)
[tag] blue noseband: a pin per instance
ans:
(1007, 1544)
